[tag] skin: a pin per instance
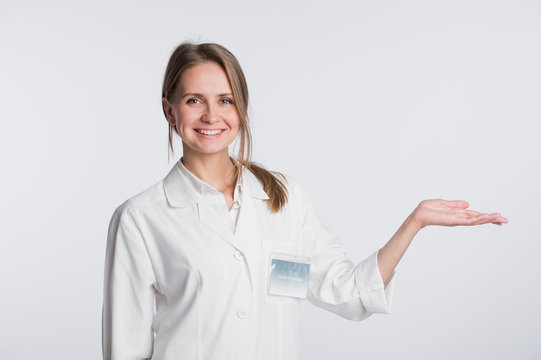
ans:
(204, 100)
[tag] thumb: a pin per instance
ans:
(459, 204)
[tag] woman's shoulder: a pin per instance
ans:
(290, 181)
(152, 196)
(294, 188)
(298, 200)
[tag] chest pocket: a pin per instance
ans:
(282, 235)
(274, 246)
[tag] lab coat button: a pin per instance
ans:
(242, 314)
(238, 255)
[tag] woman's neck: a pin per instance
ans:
(217, 170)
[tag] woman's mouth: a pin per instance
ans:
(209, 132)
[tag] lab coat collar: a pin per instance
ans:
(181, 191)
(253, 186)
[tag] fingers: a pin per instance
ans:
(470, 217)
(478, 219)
(471, 213)
(494, 218)
(484, 219)
(500, 220)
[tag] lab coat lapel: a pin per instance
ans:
(209, 218)
(248, 236)
(249, 227)
(249, 230)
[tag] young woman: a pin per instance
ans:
(212, 261)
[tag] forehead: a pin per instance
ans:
(208, 77)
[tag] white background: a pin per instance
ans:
(372, 105)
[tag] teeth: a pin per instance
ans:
(209, 132)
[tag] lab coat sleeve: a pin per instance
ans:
(336, 284)
(128, 303)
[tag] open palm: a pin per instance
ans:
(452, 213)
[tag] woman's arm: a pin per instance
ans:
(128, 296)
(429, 212)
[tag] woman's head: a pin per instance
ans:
(188, 56)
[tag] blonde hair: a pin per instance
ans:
(187, 55)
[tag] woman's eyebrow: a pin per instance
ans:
(201, 95)
(192, 94)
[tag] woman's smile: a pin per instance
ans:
(209, 133)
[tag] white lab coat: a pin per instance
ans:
(181, 283)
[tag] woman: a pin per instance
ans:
(212, 261)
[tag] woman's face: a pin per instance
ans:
(203, 110)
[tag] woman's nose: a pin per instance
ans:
(210, 115)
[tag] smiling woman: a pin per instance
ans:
(206, 83)
(212, 261)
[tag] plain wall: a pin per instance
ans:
(372, 105)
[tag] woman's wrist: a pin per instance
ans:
(413, 221)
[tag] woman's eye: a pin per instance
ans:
(192, 101)
(226, 101)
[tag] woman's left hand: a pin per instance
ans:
(452, 213)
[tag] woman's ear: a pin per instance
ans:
(168, 110)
